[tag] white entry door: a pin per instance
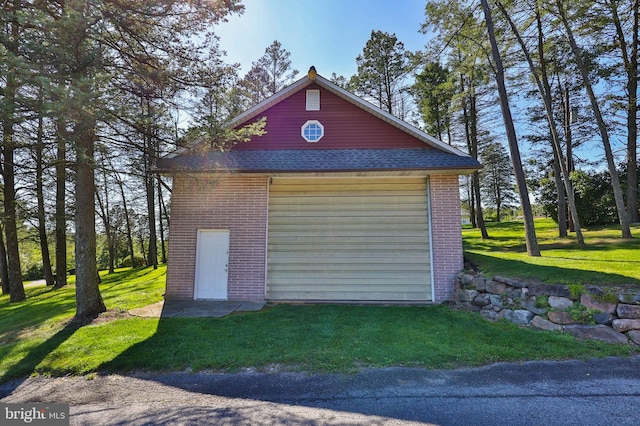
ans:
(212, 264)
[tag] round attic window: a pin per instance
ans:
(312, 131)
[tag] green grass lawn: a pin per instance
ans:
(607, 259)
(37, 338)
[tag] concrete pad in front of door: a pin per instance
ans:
(206, 308)
(196, 308)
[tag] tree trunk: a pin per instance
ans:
(473, 127)
(562, 204)
(632, 135)
(16, 288)
(630, 62)
(568, 136)
(472, 203)
(111, 240)
(604, 133)
(152, 258)
(470, 129)
(142, 249)
(61, 214)
(161, 213)
(42, 223)
(4, 271)
(128, 221)
(475, 181)
(529, 227)
(89, 303)
(104, 215)
(544, 90)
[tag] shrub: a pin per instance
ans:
(126, 262)
(542, 302)
(582, 314)
(34, 271)
(608, 297)
(575, 290)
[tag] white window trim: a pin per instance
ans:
(308, 123)
(313, 100)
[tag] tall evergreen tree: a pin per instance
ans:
(433, 92)
(497, 178)
(270, 73)
(541, 78)
(625, 18)
(530, 232)
(562, 13)
(13, 67)
(382, 67)
(93, 42)
(459, 41)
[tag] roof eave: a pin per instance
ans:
(459, 170)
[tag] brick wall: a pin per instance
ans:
(240, 204)
(236, 203)
(446, 233)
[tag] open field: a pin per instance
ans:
(607, 259)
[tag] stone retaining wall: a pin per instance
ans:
(608, 314)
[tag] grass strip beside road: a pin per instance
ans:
(37, 338)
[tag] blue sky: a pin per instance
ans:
(326, 33)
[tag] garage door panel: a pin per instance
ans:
(309, 264)
(343, 295)
(373, 214)
(278, 241)
(353, 277)
(344, 239)
(293, 268)
(387, 201)
(362, 255)
(348, 228)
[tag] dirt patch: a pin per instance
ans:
(110, 315)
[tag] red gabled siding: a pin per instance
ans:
(345, 126)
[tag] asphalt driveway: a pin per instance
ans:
(596, 392)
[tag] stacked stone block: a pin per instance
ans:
(609, 314)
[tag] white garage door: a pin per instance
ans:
(348, 239)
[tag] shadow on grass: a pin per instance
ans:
(590, 259)
(118, 277)
(27, 365)
(544, 273)
(332, 344)
(42, 304)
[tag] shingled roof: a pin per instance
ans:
(332, 160)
